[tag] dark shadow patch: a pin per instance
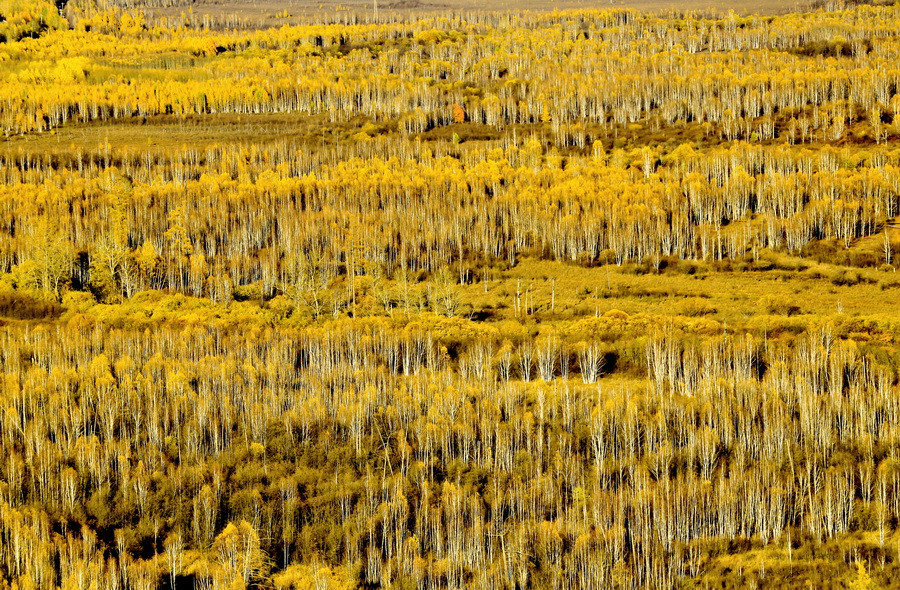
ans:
(24, 307)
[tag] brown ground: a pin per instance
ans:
(274, 13)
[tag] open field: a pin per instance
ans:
(461, 299)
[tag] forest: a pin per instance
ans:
(444, 299)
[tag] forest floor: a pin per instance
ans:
(776, 286)
(161, 132)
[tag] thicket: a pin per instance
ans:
(241, 222)
(369, 453)
(21, 19)
(251, 364)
